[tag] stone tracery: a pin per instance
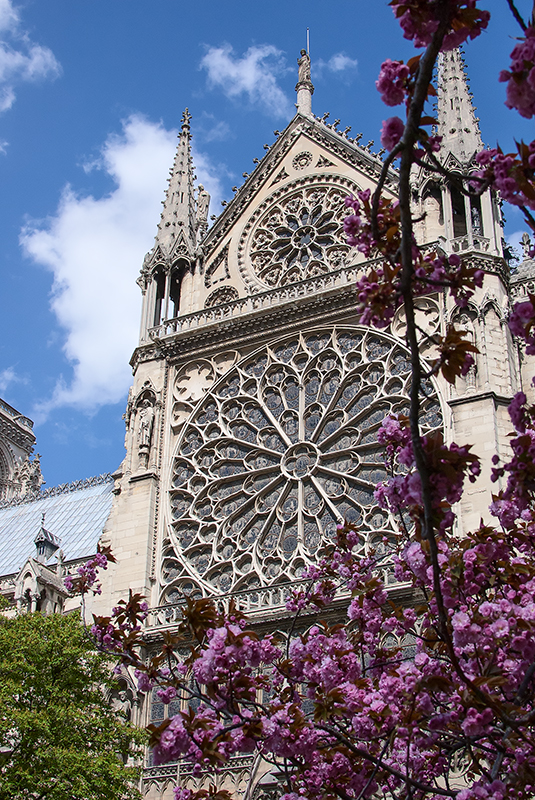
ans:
(279, 451)
(300, 233)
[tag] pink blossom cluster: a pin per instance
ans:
(228, 647)
(522, 323)
(448, 466)
(510, 174)
(357, 226)
(87, 576)
(520, 78)
(433, 270)
(126, 620)
(516, 500)
(392, 82)
(391, 132)
(378, 290)
(419, 20)
(348, 707)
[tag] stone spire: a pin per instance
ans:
(177, 227)
(457, 122)
(304, 87)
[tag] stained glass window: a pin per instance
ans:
(263, 473)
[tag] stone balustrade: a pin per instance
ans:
(344, 277)
(248, 601)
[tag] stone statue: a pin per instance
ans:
(144, 435)
(304, 67)
(526, 245)
(29, 477)
(121, 702)
(476, 221)
(203, 204)
(146, 421)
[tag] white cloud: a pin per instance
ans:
(9, 17)
(95, 247)
(340, 62)
(20, 59)
(8, 375)
(209, 129)
(254, 76)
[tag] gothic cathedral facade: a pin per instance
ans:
(251, 423)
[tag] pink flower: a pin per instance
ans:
(391, 82)
(391, 132)
(521, 79)
(166, 695)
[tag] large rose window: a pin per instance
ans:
(299, 235)
(277, 453)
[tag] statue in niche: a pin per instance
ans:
(304, 67)
(121, 702)
(476, 221)
(467, 325)
(144, 435)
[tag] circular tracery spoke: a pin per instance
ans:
(277, 453)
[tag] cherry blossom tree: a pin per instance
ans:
(351, 711)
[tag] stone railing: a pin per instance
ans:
(264, 598)
(346, 276)
(12, 412)
(186, 769)
(470, 242)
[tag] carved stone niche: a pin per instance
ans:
(466, 321)
(122, 700)
(142, 426)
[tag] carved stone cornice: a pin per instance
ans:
(352, 154)
(495, 265)
(13, 431)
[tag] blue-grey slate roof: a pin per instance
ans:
(75, 512)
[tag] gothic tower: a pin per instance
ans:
(251, 424)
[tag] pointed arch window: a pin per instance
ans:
(176, 287)
(459, 213)
(159, 297)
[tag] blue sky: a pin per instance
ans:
(91, 95)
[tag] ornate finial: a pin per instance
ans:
(186, 117)
(43, 519)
